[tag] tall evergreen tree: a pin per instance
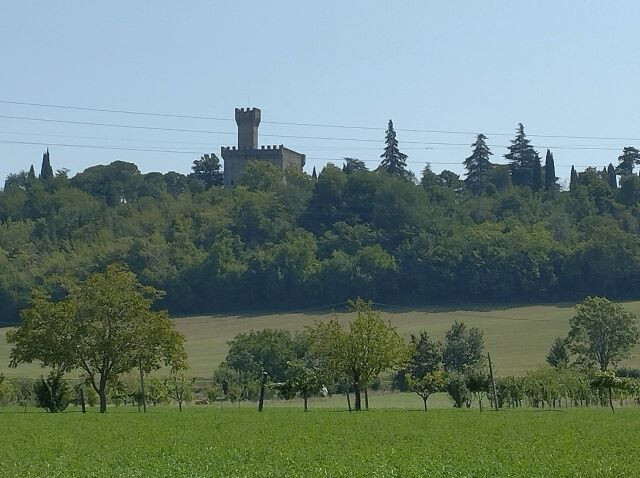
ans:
(611, 175)
(478, 166)
(314, 175)
(627, 161)
(550, 179)
(46, 172)
(393, 161)
(523, 159)
(573, 182)
(32, 173)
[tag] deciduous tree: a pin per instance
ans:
(104, 327)
(602, 332)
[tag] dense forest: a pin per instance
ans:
(284, 240)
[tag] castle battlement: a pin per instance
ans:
(235, 158)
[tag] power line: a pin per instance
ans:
(93, 146)
(313, 125)
(173, 151)
(322, 138)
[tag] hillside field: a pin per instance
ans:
(518, 338)
(208, 441)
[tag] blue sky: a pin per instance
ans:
(567, 68)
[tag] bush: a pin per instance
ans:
(458, 391)
(52, 394)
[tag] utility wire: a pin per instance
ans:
(314, 125)
(322, 138)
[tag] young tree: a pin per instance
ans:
(429, 383)
(46, 171)
(462, 347)
(478, 382)
(353, 164)
(536, 181)
(558, 355)
(32, 173)
(304, 378)
(607, 380)
(573, 181)
(179, 388)
(478, 166)
(627, 161)
(207, 170)
(52, 394)
(104, 327)
(393, 161)
(550, 179)
(367, 349)
(611, 177)
(523, 159)
(602, 332)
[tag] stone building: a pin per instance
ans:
(235, 158)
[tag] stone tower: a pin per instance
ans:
(248, 121)
(235, 159)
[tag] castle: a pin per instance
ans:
(235, 159)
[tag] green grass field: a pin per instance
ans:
(209, 442)
(517, 337)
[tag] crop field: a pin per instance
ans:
(210, 442)
(517, 337)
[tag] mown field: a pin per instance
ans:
(517, 337)
(209, 442)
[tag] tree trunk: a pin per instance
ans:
(304, 396)
(356, 392)
(102, 393)
(424, 399)
(366, 397)
(480, 402)
(144, 399)
(180, 406)
(348, 398)
(611, 401)
(84, 409)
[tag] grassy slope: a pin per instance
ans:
(289, 443)
(517, 337)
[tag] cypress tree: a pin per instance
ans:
(523, 159)
(393, 161)
(314, 175)
(611, 175)
(32, 173)
(46, 172)
(573, 182)
(478, 166)
(550, 179)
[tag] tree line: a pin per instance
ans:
(286, 240)
(105, 328)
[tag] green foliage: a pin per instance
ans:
(458, 391)
(558, 355)
(179, 388)
(52, 393)
(368, 348)
(524, 161)
(463, 347)
(207, 170)
(105, 327)
(602, 332)
(393, 161)
(478, 166)
(282, 241)
(428, 384)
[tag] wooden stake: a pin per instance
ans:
(493, 384)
